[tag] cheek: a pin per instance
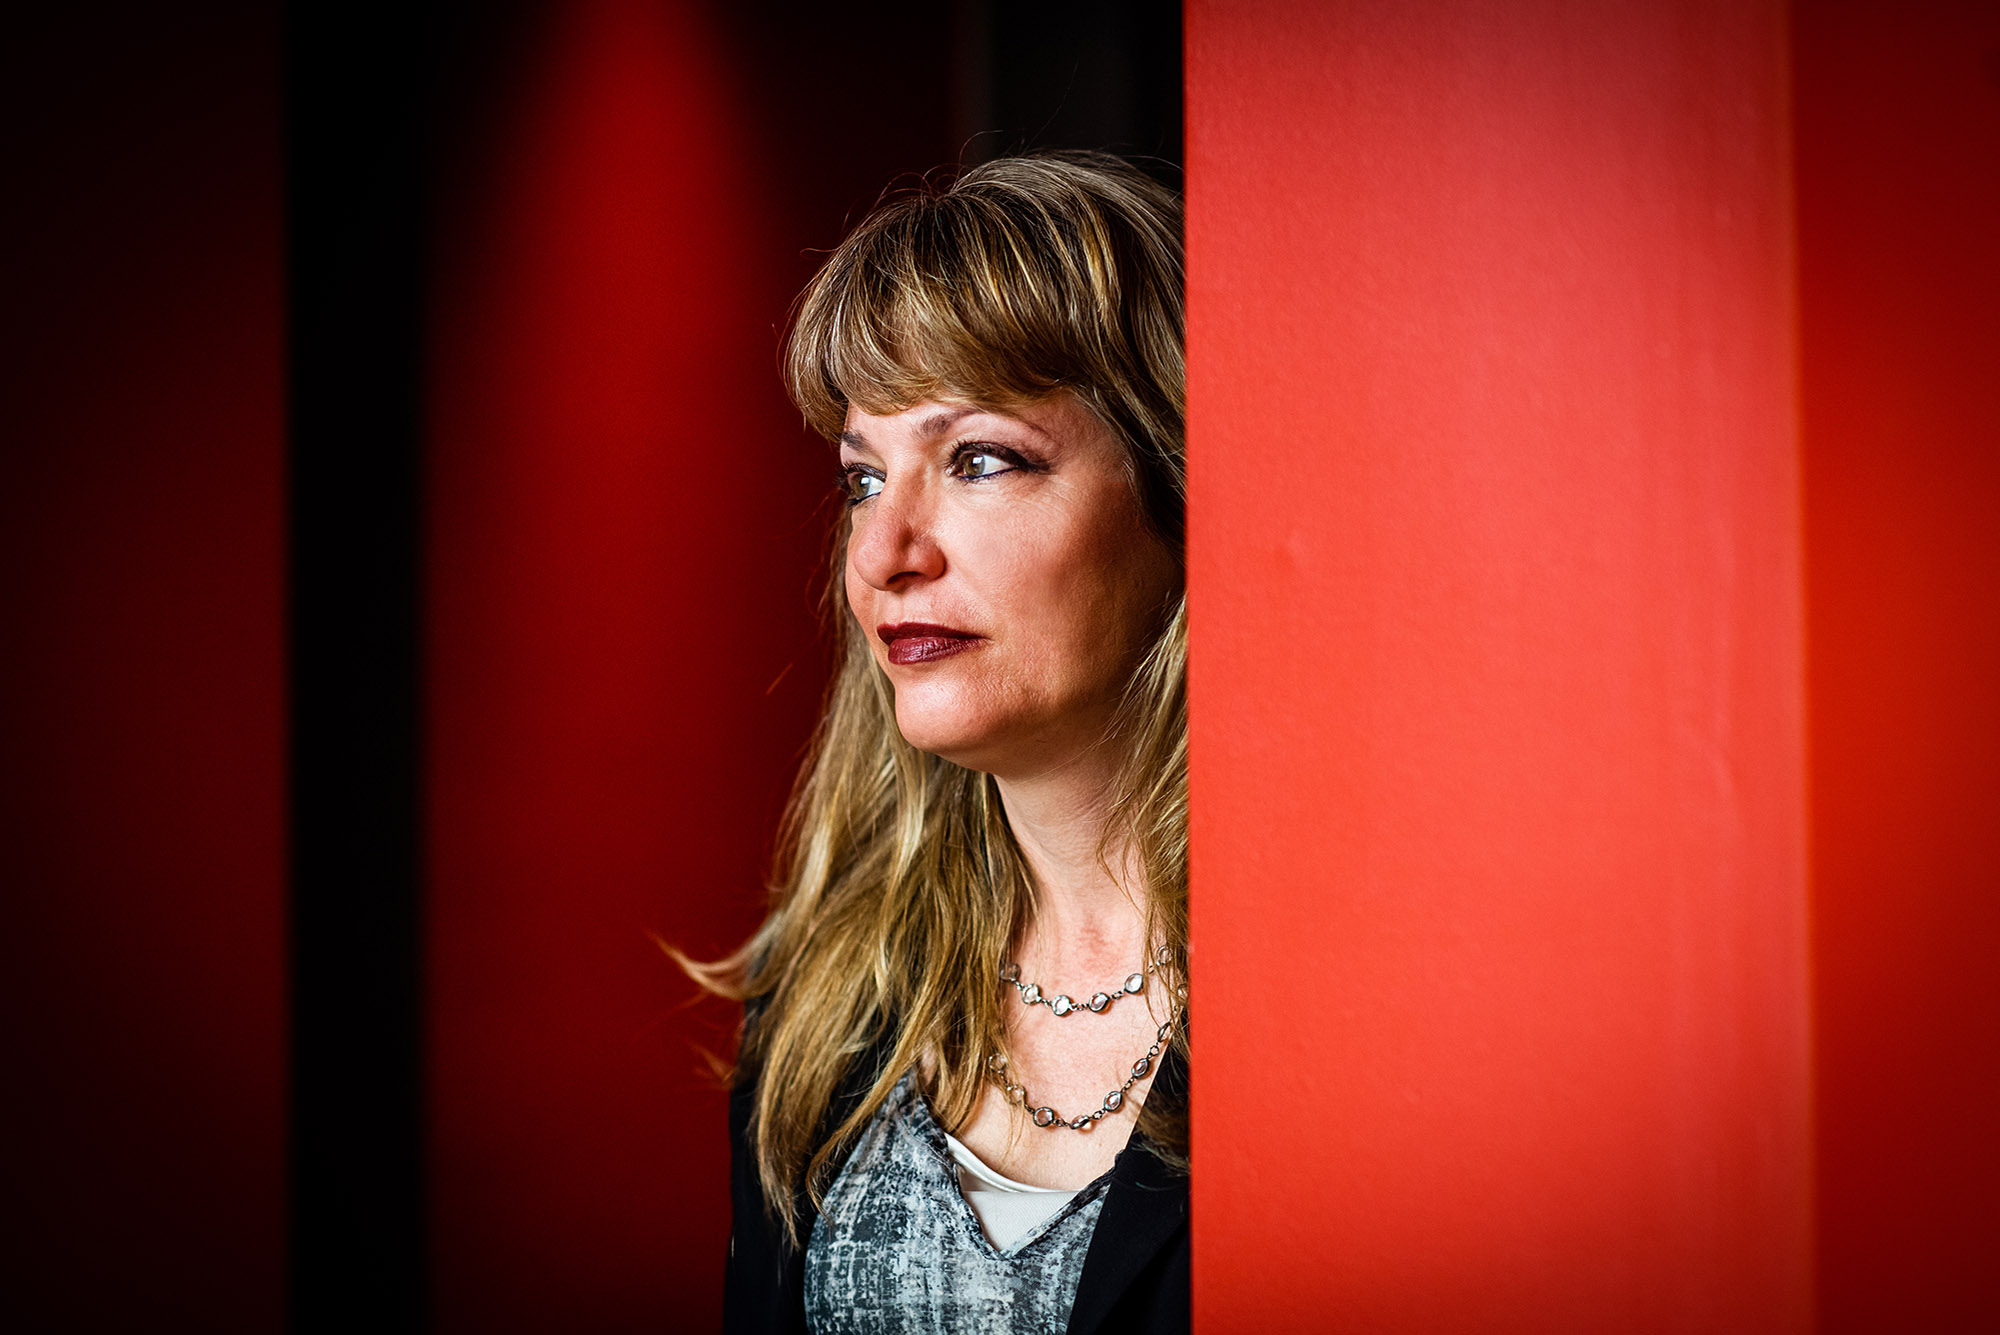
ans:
(1075, 590)
(1120, 596)
(1109, 561)
(861, 606)
(855, 589)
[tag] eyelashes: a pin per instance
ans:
(962, 459)
(971, 462)
(858, 484)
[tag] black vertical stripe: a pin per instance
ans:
(357, 88)
(1079, 74)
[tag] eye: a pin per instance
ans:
(858, 484)
(978, 462)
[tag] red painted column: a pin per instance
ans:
(1899, 208)
(621, 664)
(1499, 897)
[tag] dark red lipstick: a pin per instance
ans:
(921, 642)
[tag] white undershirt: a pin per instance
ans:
(1007, 1210)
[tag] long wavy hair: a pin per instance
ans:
(898, 886)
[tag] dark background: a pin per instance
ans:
(379, 379)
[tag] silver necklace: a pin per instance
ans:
(1045, 1116)
(1063, 1004)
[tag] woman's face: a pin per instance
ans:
(1004, 575)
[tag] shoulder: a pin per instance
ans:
(763, 1270)
(764, 1285)
(764, 1277)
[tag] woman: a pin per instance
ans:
(961, 1101)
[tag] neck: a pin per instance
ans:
(1090, 909)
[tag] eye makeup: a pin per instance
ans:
(859, 482)
(1013, 461)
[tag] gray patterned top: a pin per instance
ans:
(897, 1251)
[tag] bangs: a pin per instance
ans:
(1019, 279)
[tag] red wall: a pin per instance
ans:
(1499, 846)
(626, 534)
(141, 659)
(618, 538)
(1899, 211)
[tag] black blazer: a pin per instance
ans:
(1135, 1277)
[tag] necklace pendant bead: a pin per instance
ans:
(1099, 1001)
(1062, 1005)
(1140, 1067)
(1114, 1100)
(1079, 1124)
(1135, 984)
(1045, 1116)
(1031, 995)
(1010, 973)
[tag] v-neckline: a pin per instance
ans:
(931, 1134)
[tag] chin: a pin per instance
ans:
(947, 734)
(944, 742)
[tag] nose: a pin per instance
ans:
(893, 543)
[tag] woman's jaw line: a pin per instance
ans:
(1037, 760)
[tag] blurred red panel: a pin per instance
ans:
(1899, 208)
(141, 661)
(624, 540)
(1499, 847)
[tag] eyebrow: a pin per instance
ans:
(935, 425)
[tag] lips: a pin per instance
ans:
(921, 642)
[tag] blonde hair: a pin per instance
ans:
(898, 885)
